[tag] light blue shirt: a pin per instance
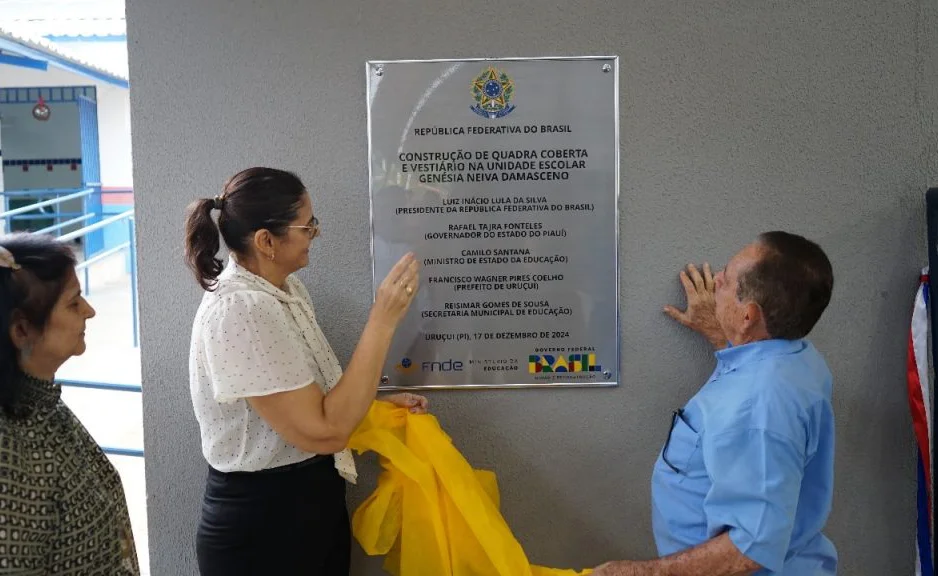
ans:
(754, 455)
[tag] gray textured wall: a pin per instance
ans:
(736, 117)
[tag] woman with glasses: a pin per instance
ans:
(274, 406)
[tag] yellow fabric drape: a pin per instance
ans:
(432, 514)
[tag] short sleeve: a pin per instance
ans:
(250, 348)
(756, 479)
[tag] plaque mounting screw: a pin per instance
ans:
(607, 68)
(607, 373)
(379, 70)
(385, 380)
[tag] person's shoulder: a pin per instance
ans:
(813, 358)
(803, 375)
(241, 305)
(780, 394)
(13, 434)
(247, 299)
(790, 393)
(35, 430)
(233, 294)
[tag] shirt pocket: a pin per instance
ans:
(682, 450)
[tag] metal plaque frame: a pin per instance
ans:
(374, 71)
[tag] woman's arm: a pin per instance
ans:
(323, 423)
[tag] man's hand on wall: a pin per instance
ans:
(700, 314)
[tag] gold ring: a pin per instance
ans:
(409, 290)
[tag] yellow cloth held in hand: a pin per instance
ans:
(432, 514)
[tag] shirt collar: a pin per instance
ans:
(735, 356)
(239, 277)
(37, 396)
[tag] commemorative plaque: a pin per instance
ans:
(501, 176)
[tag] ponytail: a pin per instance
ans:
(203, 244)
(253, 199)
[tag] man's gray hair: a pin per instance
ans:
(792, 283)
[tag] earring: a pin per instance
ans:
(272, 256)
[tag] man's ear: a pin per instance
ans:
(754, 318)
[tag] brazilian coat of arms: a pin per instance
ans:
(493, 91)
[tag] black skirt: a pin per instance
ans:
(285, 521)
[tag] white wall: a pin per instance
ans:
(113, 117)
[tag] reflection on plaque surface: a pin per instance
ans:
(502, 177)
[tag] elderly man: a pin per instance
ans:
(743, 484)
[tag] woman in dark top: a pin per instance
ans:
(62, 507)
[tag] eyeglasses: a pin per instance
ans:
(311, 229)
(679, 413)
